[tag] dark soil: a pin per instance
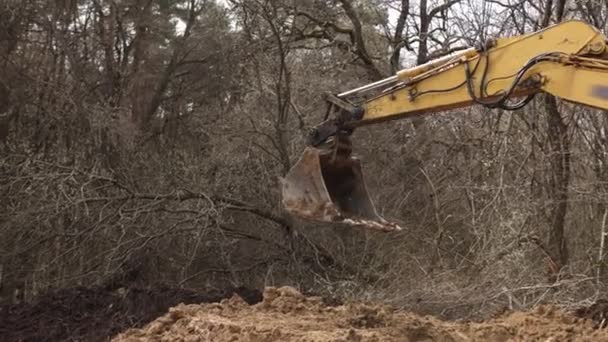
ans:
(97, 314)
(597, 312)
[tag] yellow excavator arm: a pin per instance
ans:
(568, 60)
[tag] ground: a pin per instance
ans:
(281, 314)
(287, 315)
(97, 314)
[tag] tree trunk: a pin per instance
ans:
(560, 179)
(559, 147)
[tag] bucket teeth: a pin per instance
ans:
(321, 188)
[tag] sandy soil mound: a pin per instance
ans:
(287, 315)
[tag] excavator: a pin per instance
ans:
(568, 60)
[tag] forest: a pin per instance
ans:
(142, 143)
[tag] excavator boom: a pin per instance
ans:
(568, 60)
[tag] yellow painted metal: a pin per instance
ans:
(407, 74)
(576, 84)
(442, 85)
(568, 60)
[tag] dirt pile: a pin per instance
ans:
(287, 315)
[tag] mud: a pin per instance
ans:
(97, 314)
(287, 315)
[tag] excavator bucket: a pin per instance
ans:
(324, 189)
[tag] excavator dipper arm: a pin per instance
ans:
(568, 60)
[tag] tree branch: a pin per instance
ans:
(357, 38)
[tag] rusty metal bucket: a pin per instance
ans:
(324, 189)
